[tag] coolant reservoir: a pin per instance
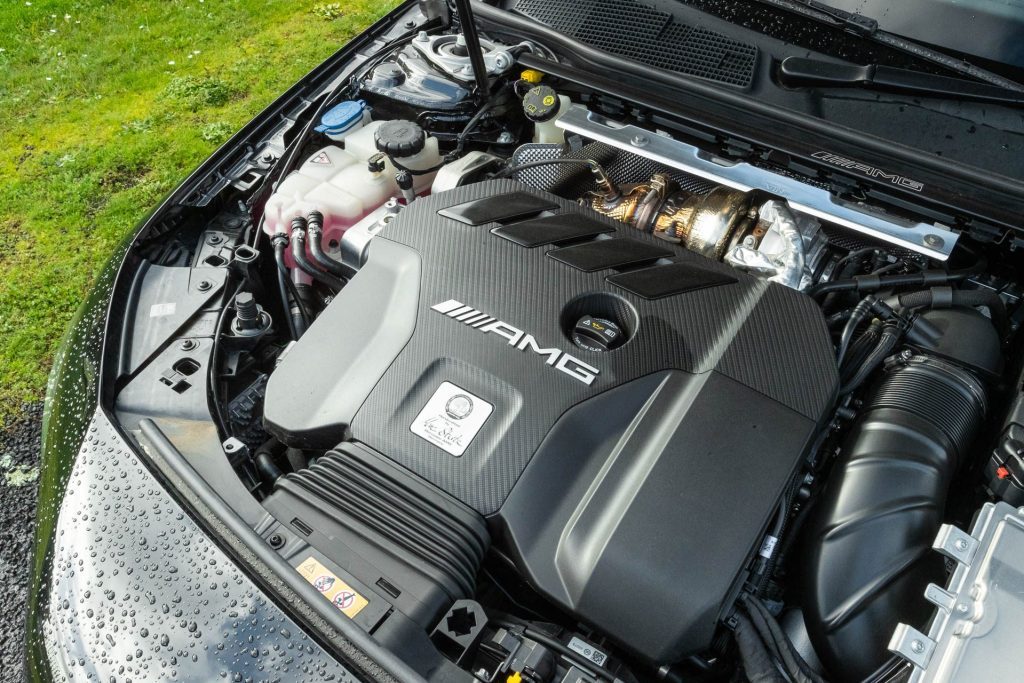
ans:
(340, 183)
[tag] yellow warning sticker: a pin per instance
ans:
(341, 595)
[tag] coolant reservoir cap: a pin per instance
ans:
(400, 139)
(341, 117)
(541, 103)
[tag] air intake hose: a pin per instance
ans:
(869, 542)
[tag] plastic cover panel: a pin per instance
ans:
(767, 337)
(649, 36)
(640, 509)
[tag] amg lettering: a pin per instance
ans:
(518, 339)
(869, 171)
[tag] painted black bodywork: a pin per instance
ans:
(984, 28)
(127, 583)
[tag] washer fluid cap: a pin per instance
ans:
(341, 117)
(400, 139)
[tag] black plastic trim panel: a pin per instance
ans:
(610, 253)
(551, 229)
(674, 278)
(491, 209)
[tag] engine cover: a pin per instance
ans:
(631, 485)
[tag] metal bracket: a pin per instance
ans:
(934, 241)
(955, 544)
(912, 645)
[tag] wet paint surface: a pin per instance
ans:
(138, 592)
(19, 461)
(125, 586)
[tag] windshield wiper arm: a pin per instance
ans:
(868, 28)
(801, 72)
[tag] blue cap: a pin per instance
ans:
(341, 117)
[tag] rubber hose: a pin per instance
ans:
(292, 315)
(298, 241)
(316, 249)
(267, 468)
(961, 297)
(887, 342)
(863, 284)
(869, 543)
(859, 350)
(860, 312)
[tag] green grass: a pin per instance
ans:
(104, 108)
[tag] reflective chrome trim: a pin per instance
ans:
(935, 241)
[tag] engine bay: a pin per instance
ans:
(532, 384)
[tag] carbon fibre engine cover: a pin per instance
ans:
(647, 472)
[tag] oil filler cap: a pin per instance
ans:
(400, 139)
(596, 334)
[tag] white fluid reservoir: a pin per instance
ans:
(340, 184)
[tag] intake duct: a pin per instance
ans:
(398, 541)
(870, 541)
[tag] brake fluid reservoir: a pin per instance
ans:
(544, 107)
(347, 184)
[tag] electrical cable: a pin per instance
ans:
(560, 648)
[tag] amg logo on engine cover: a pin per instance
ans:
(556, 358)
(869, 171)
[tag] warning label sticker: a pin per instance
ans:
(341, 595)
(321, 158)
(451, 418)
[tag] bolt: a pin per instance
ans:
(188, 344)
(250, 319)
(268, 157)
(639, 141)
(410, 24)
(505, 138)
(204, 286)
(962, 608)
(934, 241)
(214, 240)
(276, 541)
(422, 37)
(917, 646)
(961, 544)
(246, 308)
